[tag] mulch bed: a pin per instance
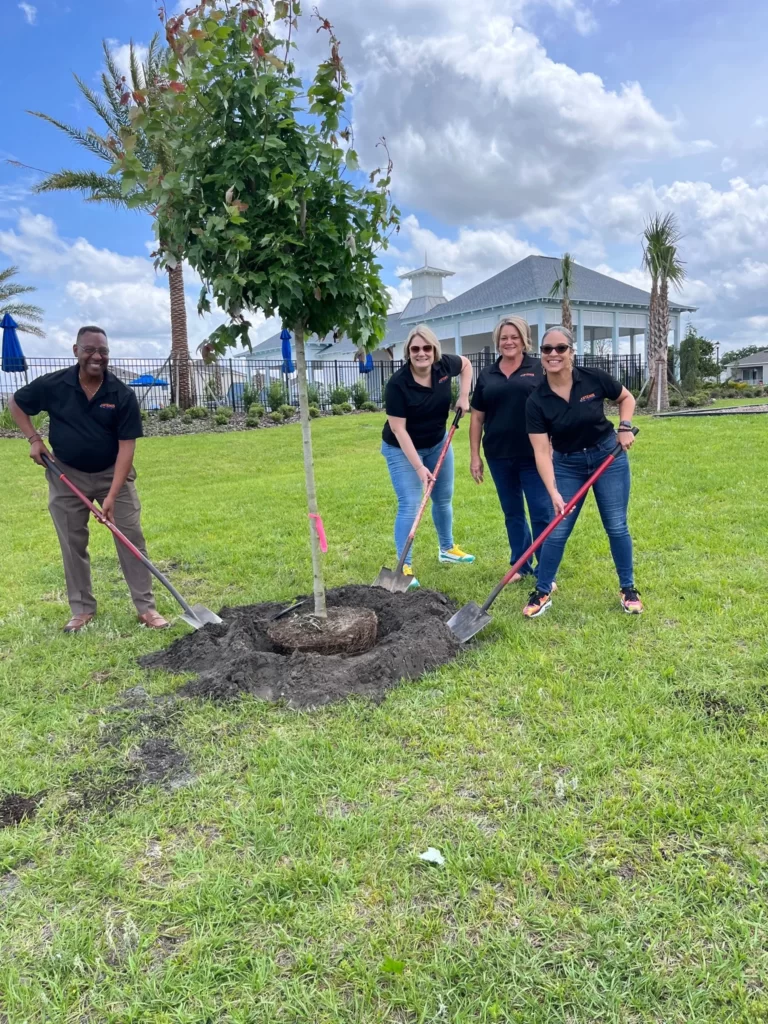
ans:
(238, 657)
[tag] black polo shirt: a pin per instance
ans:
(581, 421)
(502, 399)
(425, 410)
(83, 434)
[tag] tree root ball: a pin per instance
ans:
(252, 652)
(345, 631)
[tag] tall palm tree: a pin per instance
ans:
(25, 314)
(105, 188)
(660, 258)
(561, 289)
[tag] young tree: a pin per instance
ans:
(27, 315)
(113, 110)
(661, 260)
(735, 354)
(262, 199)
(561, 289)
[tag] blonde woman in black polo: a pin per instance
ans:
(417, 400)
(568, 410)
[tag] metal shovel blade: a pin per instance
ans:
(201, 616)
(394, 582)
(468, 621)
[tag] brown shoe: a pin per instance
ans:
(153, 620)
(78, 622)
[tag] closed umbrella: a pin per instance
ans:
(366, 366)
(13, 360)
(285, 337)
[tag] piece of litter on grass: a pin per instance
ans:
(559, 789)
(432, 856)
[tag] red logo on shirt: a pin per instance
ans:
(587, 398)
(106, 405)
(442, 379)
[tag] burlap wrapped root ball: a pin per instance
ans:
(345, 631)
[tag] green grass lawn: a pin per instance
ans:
(598, 784)
(728, 403)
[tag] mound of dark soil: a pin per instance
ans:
(15, 808)
(238, 656)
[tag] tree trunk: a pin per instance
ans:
(658, 395)
(566, 313)
(179, 342)
(309, 473)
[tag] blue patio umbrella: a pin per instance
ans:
(285, 337)
(147, 380)
(13, 358)
(367, 365)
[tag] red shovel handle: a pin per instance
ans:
(554, 524)
(117, 533)
(428, 491)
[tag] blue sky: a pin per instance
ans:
(517, 126)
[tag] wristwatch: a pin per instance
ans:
(624, 426)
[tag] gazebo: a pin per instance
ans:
(603, 308)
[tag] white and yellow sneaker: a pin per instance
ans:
(408, 571)
(455, 555)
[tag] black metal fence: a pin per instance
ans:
(233, 382)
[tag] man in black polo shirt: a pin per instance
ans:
(94, 423)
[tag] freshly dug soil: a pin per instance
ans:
(238, 656)
(15, 808)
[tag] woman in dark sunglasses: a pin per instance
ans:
(417, 400)
(568, 411)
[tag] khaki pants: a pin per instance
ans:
(70, 517)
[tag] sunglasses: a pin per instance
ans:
(547, 350)
(419, 348)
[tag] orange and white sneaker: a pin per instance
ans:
(538, 603)
(630, 601)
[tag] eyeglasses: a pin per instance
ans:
(547, 350)
(419, 348)
(93, 351)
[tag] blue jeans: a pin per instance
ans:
(513, 479)
(409, 494)
(611, 492)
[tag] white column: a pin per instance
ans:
(580, 332)
(457, 337)
(646, 342)
(615, 333)
(676, 344)
(541, 325)
(632, 341)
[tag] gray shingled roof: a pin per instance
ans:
(532, 278)
(758, 359)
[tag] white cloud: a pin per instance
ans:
(122, 54)
(79, 283)
(480, 120)
(30, 13)
(728, 164)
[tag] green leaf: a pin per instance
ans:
(351, 160)
(391, 966)
(281, 10)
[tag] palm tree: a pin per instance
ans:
(105, 188)
(561, 289)
(26, 315)
(660, 258)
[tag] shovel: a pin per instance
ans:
(395, 581)
(470, 619)
(196, 615)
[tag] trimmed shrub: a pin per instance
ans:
(257, 411)
(675, 401)
(642, 403)
(288, 411)
(690, 402)
(221, 418)
(173, 409)
(337, 410)
(315, 394)
(166, 414)
(359, 394)
(346, 407)
(144, 415)
(276, 416)
(314, 412)
(368, 407)
(339, 395)
(197, 412)
(276, 395)
(252, 421)
(186, 418)
(225, 411)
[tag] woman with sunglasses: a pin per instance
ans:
(498, 416)
(568, 410)
(417, 400)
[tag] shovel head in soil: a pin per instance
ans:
(199, 616)
(393, 581)
(468, 621)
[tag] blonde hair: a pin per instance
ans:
(523, 329)
(426, 334)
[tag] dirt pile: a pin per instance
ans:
(239, 657)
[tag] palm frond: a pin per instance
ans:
(111, 66)
(88, 139)
(98, 105)
(95, 187)
(9, 291)
(137, 72)
(26, 309)
(26, 328)
(8, 273)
